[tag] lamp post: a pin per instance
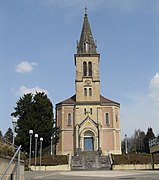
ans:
(51, 144)
(36, 138)
(53, 137)
(126, 145)
(30, 133)
(41, 141)
(14, 122)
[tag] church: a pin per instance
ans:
(88, 120)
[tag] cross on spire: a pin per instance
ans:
(85, 10)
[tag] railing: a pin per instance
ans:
(7, 142)
(154, 141)
(18, 167)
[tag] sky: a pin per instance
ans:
(38, 42)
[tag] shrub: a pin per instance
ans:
(5, 149)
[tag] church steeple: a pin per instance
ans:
(86, 44)
(87, 66)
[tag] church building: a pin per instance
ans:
(88, 120)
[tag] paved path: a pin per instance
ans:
(93, 175)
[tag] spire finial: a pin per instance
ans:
(85, 11)
(86, 44)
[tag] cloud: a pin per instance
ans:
(25, 67)
(154, 87)
(24, 90)
(141, 110)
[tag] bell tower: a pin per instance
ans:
(89, 121)
(87, 66)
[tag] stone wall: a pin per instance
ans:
(114, 167)
(51, 168)
(134, 166)
(12, 171)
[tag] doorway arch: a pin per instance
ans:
(88, 141)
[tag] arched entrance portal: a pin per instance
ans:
(88, 141)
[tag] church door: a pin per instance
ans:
(88, 144)
(88, 141)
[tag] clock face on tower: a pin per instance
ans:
(87, 82)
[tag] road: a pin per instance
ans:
(93, 175)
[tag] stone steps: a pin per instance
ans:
(90, 161)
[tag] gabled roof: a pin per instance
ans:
(106, 100)
(72, 101)
(86, 44)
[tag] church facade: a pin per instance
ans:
(88, 120)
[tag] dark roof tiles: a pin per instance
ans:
(103, 100)
(86, 44)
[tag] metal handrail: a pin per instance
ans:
(154, 141)
(9, 143)
(18, 170)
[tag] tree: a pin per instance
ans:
(34, 112)
(1, 134)
(9, 135)
(141, 146)
(149, 135)
(136, 142)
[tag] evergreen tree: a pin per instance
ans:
(1, 134)
(34, 112)
(9, 135)
(149, 135)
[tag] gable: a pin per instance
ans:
(89, 121)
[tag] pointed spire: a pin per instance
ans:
(86, 44)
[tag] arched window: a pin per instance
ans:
(85, 91)
(90, 69)
(91, 111)
(86, 46)
(69, 119)
(107, 121)
(116, 118)
(90, 91)
(84, 69)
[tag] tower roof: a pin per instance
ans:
(86, 44)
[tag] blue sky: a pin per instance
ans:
(38, 43)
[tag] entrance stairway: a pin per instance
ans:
(90, 160)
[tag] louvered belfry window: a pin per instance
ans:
(84, 69)
(90, 69)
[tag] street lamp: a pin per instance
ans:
(41, 141)
(36, 138)
(126, 145)
(51, 144)
(14, 122)
(30, 133)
